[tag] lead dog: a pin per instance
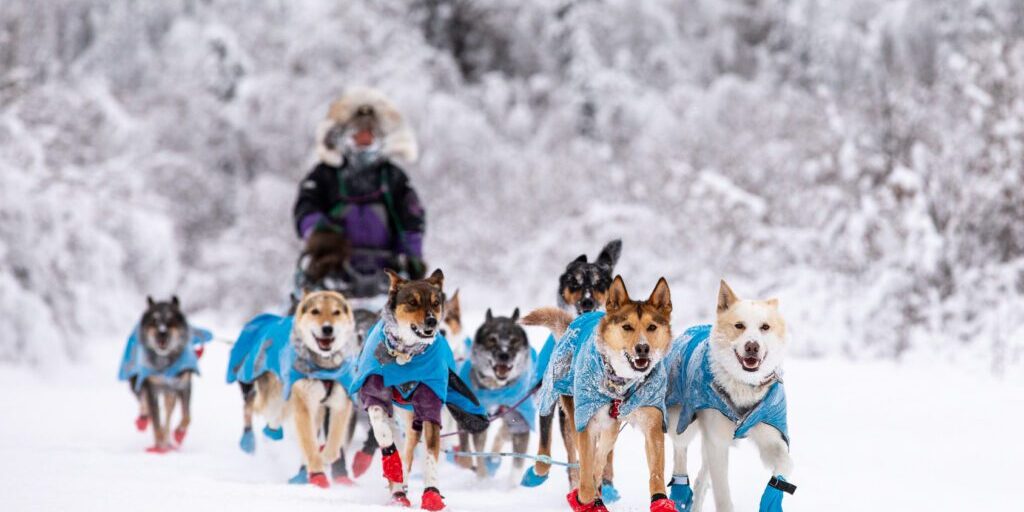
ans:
(617, 377)
(726, 385)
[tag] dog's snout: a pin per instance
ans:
(751, 348)
(643, 350)
(327, 329)
(587, 304)
(504, 357)
(430, 322)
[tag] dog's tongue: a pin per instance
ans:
(642, 362)
(502, 370)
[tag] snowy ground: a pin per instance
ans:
(865, 436)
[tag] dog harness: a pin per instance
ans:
(594, 386)
(691, 384)
(499, 399)
(558, 375)
(134, 362)
(265, 345)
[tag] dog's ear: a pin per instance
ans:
(149, 301)
(437, 279)
(610, 254)
(661, 297)
(617, 295)
(773, 303)
(489, 316)
(395, 279)
(451, 306)
(726, 297)
(515, 315)
(582, 258)
(175, 302)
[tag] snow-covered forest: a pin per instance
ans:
(861, 159)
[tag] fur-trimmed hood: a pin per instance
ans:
(399, 141)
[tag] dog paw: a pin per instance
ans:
(360, 463)
(574, 503)
(141, 423)
(344, 480)
(275, 434)
(432, 499)
(391, 463)
(609, 494)
(682, 496)
(300, 478)
(319, 480)
(492, 464)
(532, 479)
(248, 441)
(179, 435)
(399, 499)
(158, 449)
(662, 504)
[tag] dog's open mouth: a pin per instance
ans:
(425, 333)
(324, 343)
(750, 364)
(501, 371)
(162, 341)
(640, 364)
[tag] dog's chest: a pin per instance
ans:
(162, 383)
(326, 392)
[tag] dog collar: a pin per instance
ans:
(395, 351)
(615, 384)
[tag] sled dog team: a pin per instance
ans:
(610, 360)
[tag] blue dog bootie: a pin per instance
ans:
(248, 441)
(300, 478)
(532, 479)
(681, 493)
(492, 464)
(273, 433)
(771, 500)
(609, 494)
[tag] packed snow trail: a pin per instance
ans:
(866, 436)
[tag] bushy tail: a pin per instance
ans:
(551, 317)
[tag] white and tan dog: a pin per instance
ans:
(312, 383)
(725, 384)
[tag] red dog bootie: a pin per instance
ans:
(399, 499)
(159, 450)
(574, 502)
(661, 503)
(179, 435)
(392, 464)
(360, 463)
(432, 499)
(319, 480)
(141, 423)
(343, 480)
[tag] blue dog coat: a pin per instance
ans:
(265, 346)
(134, 363)
(692, 386)
(430, 368)
(506, 396)
(558, 375)
(592, 390)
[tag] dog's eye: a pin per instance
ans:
(627, 327)
(336, 313)
(765, 327)
(740, 326)
(652, 328)
(315, 312)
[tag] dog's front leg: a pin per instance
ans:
(586, 445)
(650, 421)
(716, 436)
(520, 443)
(338, 427)
(304, 409)
(540, 469)
(432, 438)
(412, 438)
(480, 445)
(150, 393)
(464, 446)
(679, 487)
(185, 398)
(170, 402)
(391, 460)
(775, 455)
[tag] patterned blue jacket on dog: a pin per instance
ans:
(592, 388)
(134, 363)
(265, 345)
(559, 373)
(692, 386)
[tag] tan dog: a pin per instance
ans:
(629, 342)
(323, 338)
